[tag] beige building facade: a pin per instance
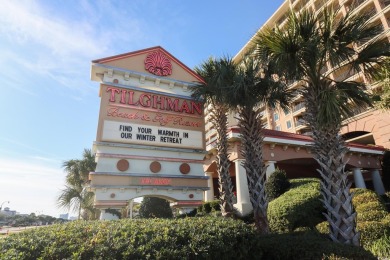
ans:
(287, 137)
(371, 127)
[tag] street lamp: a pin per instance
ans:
(1, 206)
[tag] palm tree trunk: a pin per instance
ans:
(329, 149)
(252, 151)
(218, 118)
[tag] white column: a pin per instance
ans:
(131, 209)
(107, 216)
(270, 168)
(358, 177)
(243, 204)
(377, 181)
(209, 194)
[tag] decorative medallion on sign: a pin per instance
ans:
(185, 168)
(122, 165)
(158, 64)
(155, 167)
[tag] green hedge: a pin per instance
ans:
(307, 245)
(133, 239)
(368, 205)
(299, 207)
(191, 238)
(209, 206)
(276, 184)
(371, 231)
(381, 247)
(373, 222)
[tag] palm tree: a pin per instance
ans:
(383, 96)
(218, 75)
(302, 50)
(74, 196)
(254, 86)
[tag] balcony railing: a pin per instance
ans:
(355, 4)
(345, 75)
(384, 3)
(299, 122)
(298, 107)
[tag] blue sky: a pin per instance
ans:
(49, 106)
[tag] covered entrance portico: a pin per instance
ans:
(291, 153)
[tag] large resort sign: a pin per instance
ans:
(150, 137)
(137, 117)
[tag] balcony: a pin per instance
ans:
(384, 3)
(346, 74)
(298, 107)
(354, 5)
(299, 124)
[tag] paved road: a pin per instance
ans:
(9, 230)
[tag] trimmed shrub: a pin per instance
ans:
(192, 238)
(189, 238)
(276, 184)
(386, 199)
(371, 231)
(307, 245)
(153, 207)
(298, 207)
(373, 215)
(381, 247)
(368, 205)
(209, 206)
(372, 219)
(323, 227)
(192, 213)
(362, 196)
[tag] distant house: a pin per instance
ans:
(64, 216)
(8, 212)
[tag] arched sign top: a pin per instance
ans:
(158, 64)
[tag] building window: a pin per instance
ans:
(276, 116)
(277, 128)
(286, 111)
(288, 124)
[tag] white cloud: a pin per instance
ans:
(30, 185)
(60, 46)
(26, 21)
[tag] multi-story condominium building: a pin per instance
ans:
(370, 126)
(287, 136)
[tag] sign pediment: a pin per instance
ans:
(154, 61)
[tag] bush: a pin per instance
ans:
(362, 196)
(386, 199)
(152, 207)
(323, 227)
(371, 231)
(134, 239)
(298, 207)
(307, 245)
(381, 247)
(191, 238)
(276, 184)
(192, 213)
(368, 205)
(209, 206)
